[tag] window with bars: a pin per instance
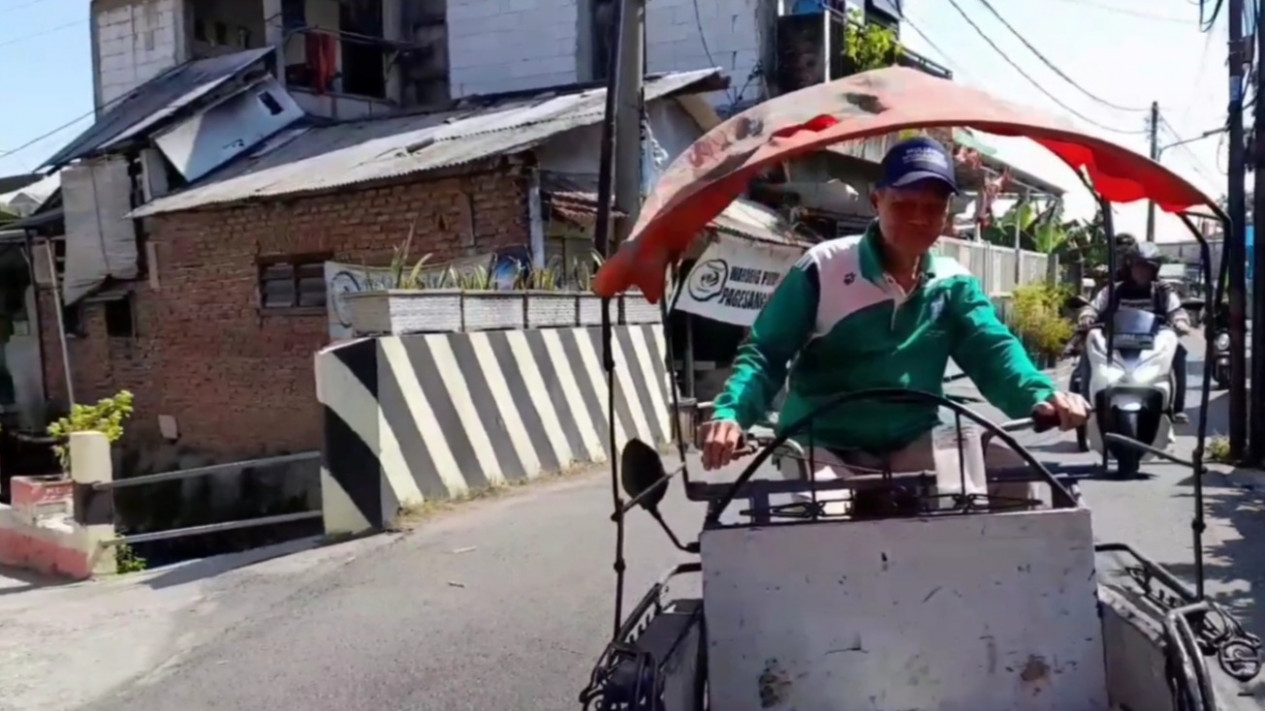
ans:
(292, 283)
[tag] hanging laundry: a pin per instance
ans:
(322, 60)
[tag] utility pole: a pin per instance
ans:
(1257, 421)
(1155, 155)
(1235, 246)
(629, 116)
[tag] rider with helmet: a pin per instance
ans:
(1140, 288)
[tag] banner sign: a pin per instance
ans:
(734, 278)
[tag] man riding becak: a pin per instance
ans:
(1141, 289)
(879, 311)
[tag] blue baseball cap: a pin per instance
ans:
(917, 159)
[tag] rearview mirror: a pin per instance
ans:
(641, 471)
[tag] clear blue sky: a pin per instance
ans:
(1129, 52)
(46, 61)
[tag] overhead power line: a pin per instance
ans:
(42, 136)
(948, 58)
(1034, 82)
(1053, 67)
(41, 33)
(1141, 14)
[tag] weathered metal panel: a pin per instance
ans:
(157, 100)
(990, 612)
(204, 142)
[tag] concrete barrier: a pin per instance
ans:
(414, 418)
(54, 525)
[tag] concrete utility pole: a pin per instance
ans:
(1155, 155)
(1235, 246)
(1257, 421)
(630, 116)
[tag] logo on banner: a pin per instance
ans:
(344, 282)
(708, 279)
(733, 287)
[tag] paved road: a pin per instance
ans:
(501, 605)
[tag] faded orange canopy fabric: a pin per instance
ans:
(716, 169)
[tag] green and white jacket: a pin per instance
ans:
(848, 326)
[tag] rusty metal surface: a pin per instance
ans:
(343, 154)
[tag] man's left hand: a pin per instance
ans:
(1071, 409)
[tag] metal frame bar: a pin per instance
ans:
(205, 471)
(106, 489)
(212, 528)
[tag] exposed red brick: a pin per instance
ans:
(238, 381)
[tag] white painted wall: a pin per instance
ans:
(505, 45)
(134, 43)
(730, 39)
(579, 150)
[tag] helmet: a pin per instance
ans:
(1148, 254)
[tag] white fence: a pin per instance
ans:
(995, 266)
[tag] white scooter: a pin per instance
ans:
(1131, 389)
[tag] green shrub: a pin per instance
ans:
(106, 416)
(1037, 319)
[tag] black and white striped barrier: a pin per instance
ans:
(422, 417)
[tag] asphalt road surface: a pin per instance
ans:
(503, 604)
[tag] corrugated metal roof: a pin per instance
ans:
(573, 196)
(325, 157)
(156, 100)
(745, 218)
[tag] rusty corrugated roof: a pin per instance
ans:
(323, 157)
(155, 101)
(574, 197)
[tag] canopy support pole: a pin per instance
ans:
(1216, 288)
(601, 242)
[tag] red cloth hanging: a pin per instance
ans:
(321, 60)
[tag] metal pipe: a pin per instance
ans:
(207, 470)
(1155, 156)
(36, 322)
(213, 528)
(61, 321)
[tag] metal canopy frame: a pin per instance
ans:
(604, 229)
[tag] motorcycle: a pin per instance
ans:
(1131, 387)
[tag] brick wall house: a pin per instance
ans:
(200, 345)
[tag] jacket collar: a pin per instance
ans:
(872, 257)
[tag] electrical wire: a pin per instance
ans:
(1128, 11)
(41, 33)
(1034, 82)
(1206, 22)
(1053, 67)
(702, 38)
(948, 59)
(1196, 162)
(42, 136)
(31, 3)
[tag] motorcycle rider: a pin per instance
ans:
(881, 310)
(1142, 290)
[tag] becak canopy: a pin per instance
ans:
(717, 167)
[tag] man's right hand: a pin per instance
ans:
(721, 438)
